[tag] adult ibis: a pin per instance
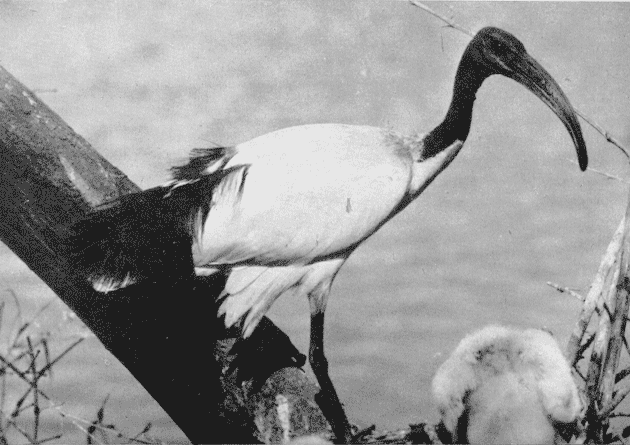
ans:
(281, 213)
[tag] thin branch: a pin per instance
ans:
(579, 374)
(21, 431)
(584, 346)
(603, 132)
(566, 290)
(21, 375)
(593, 297)
(48, 439)
(35, 375)
(59, 357)
(449, 22)
(602, 173)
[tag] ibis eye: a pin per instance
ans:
(501, 47)
(502, 52)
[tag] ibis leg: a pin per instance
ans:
(327, 398)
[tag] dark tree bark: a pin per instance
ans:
(214, 387)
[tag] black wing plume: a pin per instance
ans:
(147, 235)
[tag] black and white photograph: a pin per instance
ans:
(312, 222)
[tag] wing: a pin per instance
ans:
(309, 193)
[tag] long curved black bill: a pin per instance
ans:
(529, 73)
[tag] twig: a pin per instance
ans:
(16, 412)
(602, 173)
(579, 374)
(75, 420)
(603, 132)
(48, 439)
(35, 375)
(22, 432)
(20, 374)
(29, 358)
(583, 347)
(59, 357)
(3, 391)
(449, 22)
(566, 290)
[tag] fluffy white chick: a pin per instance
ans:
(504, 385)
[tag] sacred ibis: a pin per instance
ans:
(281, 213)
(503, 385)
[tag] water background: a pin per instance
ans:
(146, 81)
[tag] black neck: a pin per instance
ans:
(456, 123)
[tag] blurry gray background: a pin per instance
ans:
(145, 81)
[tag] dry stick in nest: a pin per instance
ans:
(592, 302)
(603, 292)
(566, 290)
(609, 297)
(618, 320)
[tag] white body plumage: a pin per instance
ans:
(298, 202)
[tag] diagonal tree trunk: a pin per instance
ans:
(169, 339)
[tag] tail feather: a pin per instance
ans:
(146, 235)
(203, 161)
(137, 238)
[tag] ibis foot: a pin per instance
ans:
(332, 409)
(360, 435)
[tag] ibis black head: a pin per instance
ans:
(494, 51)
